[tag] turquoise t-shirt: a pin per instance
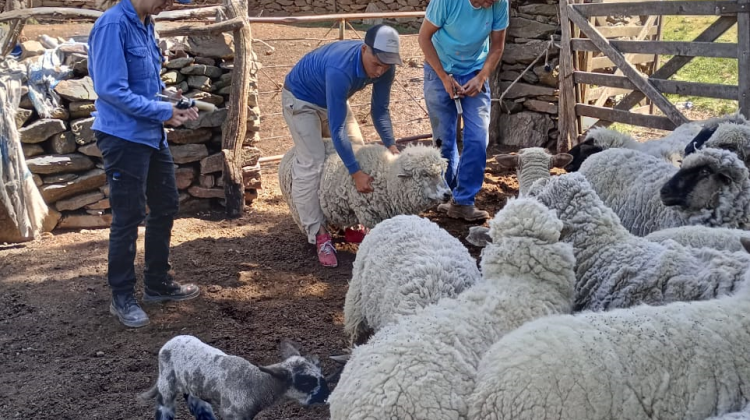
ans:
(462, 42)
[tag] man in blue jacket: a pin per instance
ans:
(124, 64)
(314, 101)
(462, 41)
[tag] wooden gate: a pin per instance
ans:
(576, 17)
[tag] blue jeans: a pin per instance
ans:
(465, 174)
(138, 175)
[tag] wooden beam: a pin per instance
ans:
(230, 25)
(234, 131)
(688, 49)
(743, 56)
(50, 13)
(712, 33)
(627, 69)
(625, 117)
(11, 37)
(604, 62)
(625, 31)
(567, 119)
(334, 17)
(706, 90)
(186, 14)
(683, 8)
(600, 91)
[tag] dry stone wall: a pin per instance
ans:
(66, 164)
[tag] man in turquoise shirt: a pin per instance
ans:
(462, 41)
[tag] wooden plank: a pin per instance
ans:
(706, 90)
(192, 29)
(712, 33)
(682, 8)
(624, 31)
(604, 62)
(599, 92)
(186, 14)
(655, 64)
(688, 49)
(743, 41)
(627, 69)
(342, 16)
(50, 13)
(625, 117)
(567, 119)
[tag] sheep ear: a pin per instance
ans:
(277, 372)
(313, 359)
(561, 160)
(507, 162)
(288, 349)
(745, 244)
(341, 359)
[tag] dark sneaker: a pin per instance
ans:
(467, 212)
(127, 310)
(170, 291)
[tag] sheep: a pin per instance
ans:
(422, 366)
(731, 240)
(615, 269)
(404, 264)
(685, 360)
(710, 189)
(531, 164)
(408, 183)
(669, 148)
(205, 375)
(734, 137)
(737, 415)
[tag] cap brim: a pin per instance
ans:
(388, 58)
(184, 1)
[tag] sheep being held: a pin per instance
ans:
(404, 264)
(616, 269)
(422, 366)
(682, 361)
(207, 376)
(408, 183)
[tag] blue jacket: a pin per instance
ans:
(124, 63)
(328, 76)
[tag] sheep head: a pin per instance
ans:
(300, 374)
(581, 152)
(729, 136)
(418, 176)
(526, 217)
(705, 178)
(532, 163)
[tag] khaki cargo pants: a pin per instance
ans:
(308, 124)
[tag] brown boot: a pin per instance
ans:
(467, 212)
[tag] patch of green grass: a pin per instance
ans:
(702, 69)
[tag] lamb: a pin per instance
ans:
(422, 366)
(731, 240)
(615, 269)
(408, 183)
(685, 360)
(532, 163)
(205, 375)
(710, 189)
(404, 264)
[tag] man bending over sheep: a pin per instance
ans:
(314, 98)
(462, 41)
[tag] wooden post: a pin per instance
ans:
(14, 31)
(235, 126)
(567, 118)
(342, 28)
(743, 56)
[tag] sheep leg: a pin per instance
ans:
(200, 409)
(164, 407)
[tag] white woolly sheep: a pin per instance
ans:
(615, 269)
(734, 137)
(423, 366)
(207, 376)
(737, 415)
(731, 240)
(404, 264)
(532, 163)
(408, 183)
(711, 189)
(682, 361)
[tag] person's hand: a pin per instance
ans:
(452, 87)
(394, 149)
(474, 86)
(363, 182)
(180, 116)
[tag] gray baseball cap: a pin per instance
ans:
(385, 43)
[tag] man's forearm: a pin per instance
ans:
(431, 57)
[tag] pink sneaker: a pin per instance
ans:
(355, 235)
(326, 251)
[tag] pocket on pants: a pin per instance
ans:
(126, 192)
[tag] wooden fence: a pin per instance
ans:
(576, 17)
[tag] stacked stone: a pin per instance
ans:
(66, 164)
